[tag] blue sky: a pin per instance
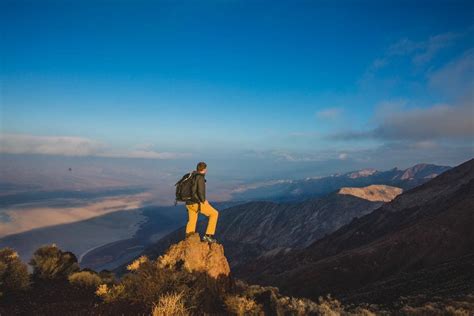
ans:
(299, 84)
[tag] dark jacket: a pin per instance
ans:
(199, 188)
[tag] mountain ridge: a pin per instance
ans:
(298, 190)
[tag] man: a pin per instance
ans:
(200, 204)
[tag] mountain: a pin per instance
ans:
(421, 243)
(298, 190)
(254, 229)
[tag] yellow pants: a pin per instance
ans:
(206, 209)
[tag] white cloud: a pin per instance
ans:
(329, 113)
(455, 79)
(419, 52)
(48, 145)
(75, 146)
(305, 134)
(343, 156)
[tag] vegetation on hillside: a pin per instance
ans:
(57, 286)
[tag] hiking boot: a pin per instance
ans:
(209, 239)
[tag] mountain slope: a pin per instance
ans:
(374, 258)
(298, 190)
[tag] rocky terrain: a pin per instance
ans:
(421, 243)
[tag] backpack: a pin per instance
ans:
(184, 188)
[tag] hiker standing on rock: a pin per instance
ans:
(192, 189)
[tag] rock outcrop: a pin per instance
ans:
(197, 256)
(374, 193)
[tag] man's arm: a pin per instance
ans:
(201, 189)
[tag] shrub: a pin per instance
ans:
(170, 305)
(147, 284)
(111, 294)
(136, 263)
(107, 276)
(13, 272)
(241, 305)
(50, 262)
(85, 279)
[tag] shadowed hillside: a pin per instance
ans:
(420, 243)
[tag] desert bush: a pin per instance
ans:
(50, 262)
(170, 305)
(148, 283)
(108, 277)
(111, 294)
(329, 306)
(270, 301)
(436, 305)
(136, 263)
(13, 272)
(85, 279)
(440, 309)
(241, 305)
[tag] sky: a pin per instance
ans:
(265, 89)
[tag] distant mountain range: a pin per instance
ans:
(421, 243)
(299, 190)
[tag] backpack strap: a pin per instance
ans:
(184, 179)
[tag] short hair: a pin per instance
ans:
(201, 166)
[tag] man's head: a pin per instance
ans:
(201, 167)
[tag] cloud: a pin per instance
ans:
(419, 52)
(419, 124)
(455, 79)
(149, 154)
(329, 113)
(343, 156)
(298, 156)
(75, 146)
(394, 120)
(48, 145)
(310, 134)
(433, 45)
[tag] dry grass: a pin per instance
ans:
(136, 263)
(170, 305)
(241, 305)
(450, 307)
(85, 279)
